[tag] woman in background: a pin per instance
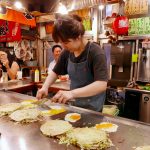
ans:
(8, 64)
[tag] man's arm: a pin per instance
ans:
(48, 82)
(90, 90)
(51, 78)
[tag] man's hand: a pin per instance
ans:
(43, 92)
(63, 96)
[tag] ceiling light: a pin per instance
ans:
(18, 5)
(101, 7)
(62, 9)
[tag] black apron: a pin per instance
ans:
(80, 76)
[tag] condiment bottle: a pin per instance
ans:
(32, 74)
(37, 74)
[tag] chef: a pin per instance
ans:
(84, 61)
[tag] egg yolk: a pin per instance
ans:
(75, 117)
(107, 125)
(53, 111)
(30, 101)
(56, 111)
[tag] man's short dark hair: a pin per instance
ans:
(55, 46)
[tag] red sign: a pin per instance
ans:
(121, 25)
(9, 31)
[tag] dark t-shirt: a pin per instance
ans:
(96, 61)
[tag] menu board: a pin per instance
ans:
(136, 7)
(139, 26)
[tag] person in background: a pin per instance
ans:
(84, 61)
(8, 64)
(56, 49)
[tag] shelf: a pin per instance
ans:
(134, 37)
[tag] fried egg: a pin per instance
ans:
(72, 117)
(107, 126)
(27, 102)
(52, 112)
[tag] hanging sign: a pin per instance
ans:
(9, 31)
(19, 17)
(49, 28)
(121, 25)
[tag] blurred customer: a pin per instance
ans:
(8, 64)
(56, 49)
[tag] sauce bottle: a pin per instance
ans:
(36, 77)
(32, 75)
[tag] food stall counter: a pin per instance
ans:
(130, 134)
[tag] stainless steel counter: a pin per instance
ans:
(28, 137)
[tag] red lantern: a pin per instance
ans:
(121, 25)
